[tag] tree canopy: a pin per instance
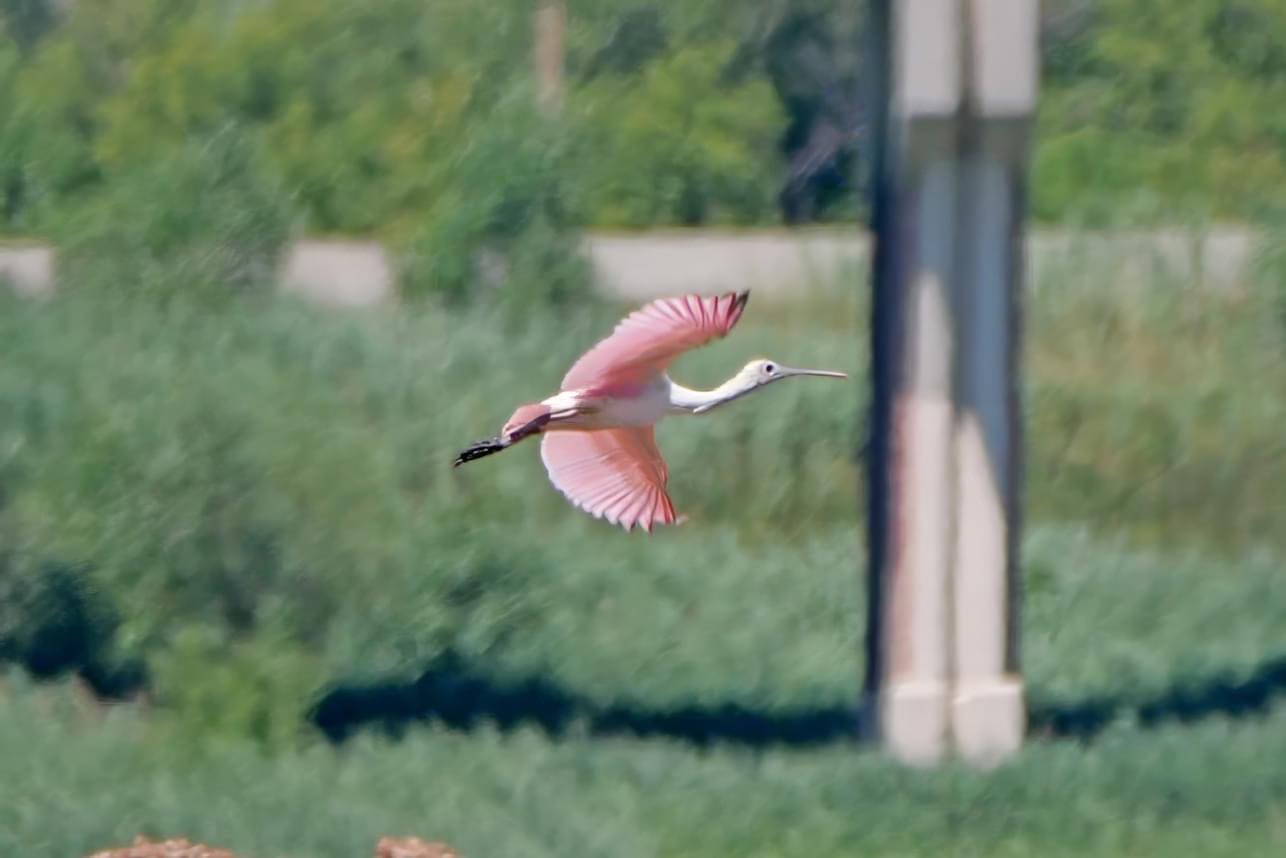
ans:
(702, 112)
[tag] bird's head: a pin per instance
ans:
(757, 374)
(763, 371)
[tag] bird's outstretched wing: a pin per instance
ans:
(616, 474)
(646, 341)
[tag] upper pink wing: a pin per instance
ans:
(617, 474)
(646, 341)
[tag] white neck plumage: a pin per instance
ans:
(685, 400)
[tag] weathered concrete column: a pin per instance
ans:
(988, 714)
(957, 88)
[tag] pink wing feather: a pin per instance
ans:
(616, 474)
(646, 341)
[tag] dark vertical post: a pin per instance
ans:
(886, 327)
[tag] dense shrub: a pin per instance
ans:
(366, 111)
(11, 200)
(257, 688)
(701, 112)
(507, 217)
(681, 143)
(1177, 100)
(204, 218)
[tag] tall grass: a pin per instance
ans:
(243, 504)
(77, 781)
(221, 484)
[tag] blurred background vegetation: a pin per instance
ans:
(701, 112)
(236, 511)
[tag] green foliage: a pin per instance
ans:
(214, 688)
(273, 473)
(255, 501)
(681, 143)
(1130, 432)
(1178, 100)
(205, 218)
(27, 21)
(367, 110)
(62, 88)
(84, 781)
(507, 216)
(683, 113)
(360, 104)
(11, 201)
(357, 104)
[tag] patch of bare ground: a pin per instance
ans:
(181, 847)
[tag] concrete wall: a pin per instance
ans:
(638, 266)
(653, 264)
(28, 269)
(340, 273)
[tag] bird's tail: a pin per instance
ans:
(478, 450)
(527, 420)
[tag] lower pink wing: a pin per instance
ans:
(616, 474)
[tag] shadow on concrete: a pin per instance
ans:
(461, 696)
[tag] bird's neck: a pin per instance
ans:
(685, 400)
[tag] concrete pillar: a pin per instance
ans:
(957, 82)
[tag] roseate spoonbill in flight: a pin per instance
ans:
(598, 440)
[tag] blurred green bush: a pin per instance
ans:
(255, 688)
(681, 142)
(507, 221)
(680, 114)
(205, 218)
(1173, 100)
(395, 118)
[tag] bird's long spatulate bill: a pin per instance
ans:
(478, 450)
(822, 373)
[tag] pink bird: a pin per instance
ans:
(598, 438)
